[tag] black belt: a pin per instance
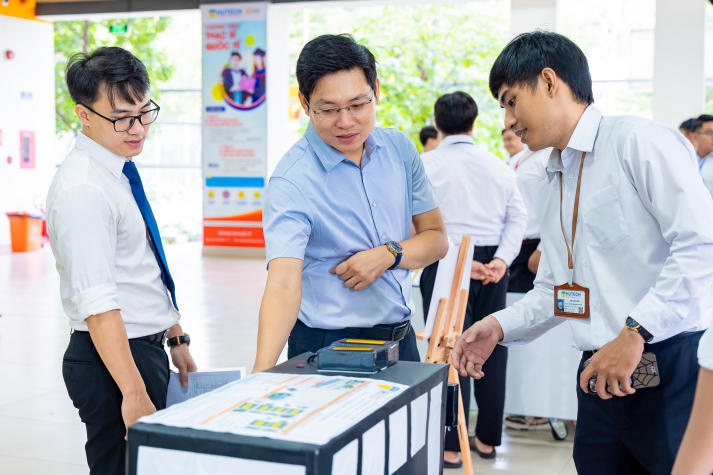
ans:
(389, 332)
(159, 337)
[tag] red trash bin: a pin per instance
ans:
(25, 231)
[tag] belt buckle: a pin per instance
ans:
(399, 331)
(164, 337)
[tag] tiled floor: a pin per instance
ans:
(40, 432)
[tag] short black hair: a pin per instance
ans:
(122, 73)
(455, 113)
(236, 53)
(528, 54)
(327, 54)
(426, 133)
(705, 118)
(691, 125)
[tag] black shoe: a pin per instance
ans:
(447, 464)
(483, 455)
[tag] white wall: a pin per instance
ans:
(26, 103)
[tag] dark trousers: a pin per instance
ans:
(521, 279)
(98, 399)
(641, 433)
(490, 390)
(307, 339)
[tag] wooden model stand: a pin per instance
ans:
(447, 327)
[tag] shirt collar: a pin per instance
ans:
(330, 157)
(582, 139)
(457, 138)
(109, 160)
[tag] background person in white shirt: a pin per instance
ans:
(514, 147)
(115, 366)
(478, 196)
(429, 138)
(695, 456)
(643, 249)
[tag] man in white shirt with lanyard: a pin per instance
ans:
(114, 279)
(478, 197)
(627, 256)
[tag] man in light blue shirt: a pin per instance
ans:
(339, 214)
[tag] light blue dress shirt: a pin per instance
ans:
(322, 208)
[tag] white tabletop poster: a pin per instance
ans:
(306, 408)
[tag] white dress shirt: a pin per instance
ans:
(477, 195)
(513, 159)
(706, 169)
(531, 176)
(705, 350)
(644, 237)
(100, 245)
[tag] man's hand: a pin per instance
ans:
(496, 269)
(614, 364)
(133, 406)
(364, 267)
(183, 361)
(478, 271)
(533, 262)
(475, 345)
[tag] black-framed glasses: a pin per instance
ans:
(356, 109)
(126, 123)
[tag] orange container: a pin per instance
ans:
(25, 231)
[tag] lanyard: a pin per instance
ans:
(520, 162)
(575, 213)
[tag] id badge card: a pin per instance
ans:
(571, 300)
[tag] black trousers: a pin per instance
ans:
(641, 433)
(489, 391)
(304, 339)
(521, 279)
(98, 398)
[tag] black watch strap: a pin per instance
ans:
(635, 326)
(179, 340)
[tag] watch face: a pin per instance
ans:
(395, 246)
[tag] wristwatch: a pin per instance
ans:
(179, 340)
(635, 326)
(396, 250)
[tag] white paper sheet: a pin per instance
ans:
(200, 382)
(346, 461)
(398, 436)
(419, 418)
(159, 461)
(435, 431)
(373, 456)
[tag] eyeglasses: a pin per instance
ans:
(708, 132)
(357, 109)
(126, 123)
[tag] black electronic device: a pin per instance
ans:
(355, 355)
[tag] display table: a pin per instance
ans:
(292, 420)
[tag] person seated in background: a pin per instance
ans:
(478, 196)
(428, 136)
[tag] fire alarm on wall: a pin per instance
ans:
(9, 54)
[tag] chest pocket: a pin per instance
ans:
(603, 217)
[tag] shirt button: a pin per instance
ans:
(373, 205)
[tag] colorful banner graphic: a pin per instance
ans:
(234, 123)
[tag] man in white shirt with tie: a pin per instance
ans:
(114, 281)
(478, 197)
(627, 260)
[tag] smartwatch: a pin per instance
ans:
(635, 326)
(179, 340)
(396, 250)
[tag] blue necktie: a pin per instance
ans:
(137, 189)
